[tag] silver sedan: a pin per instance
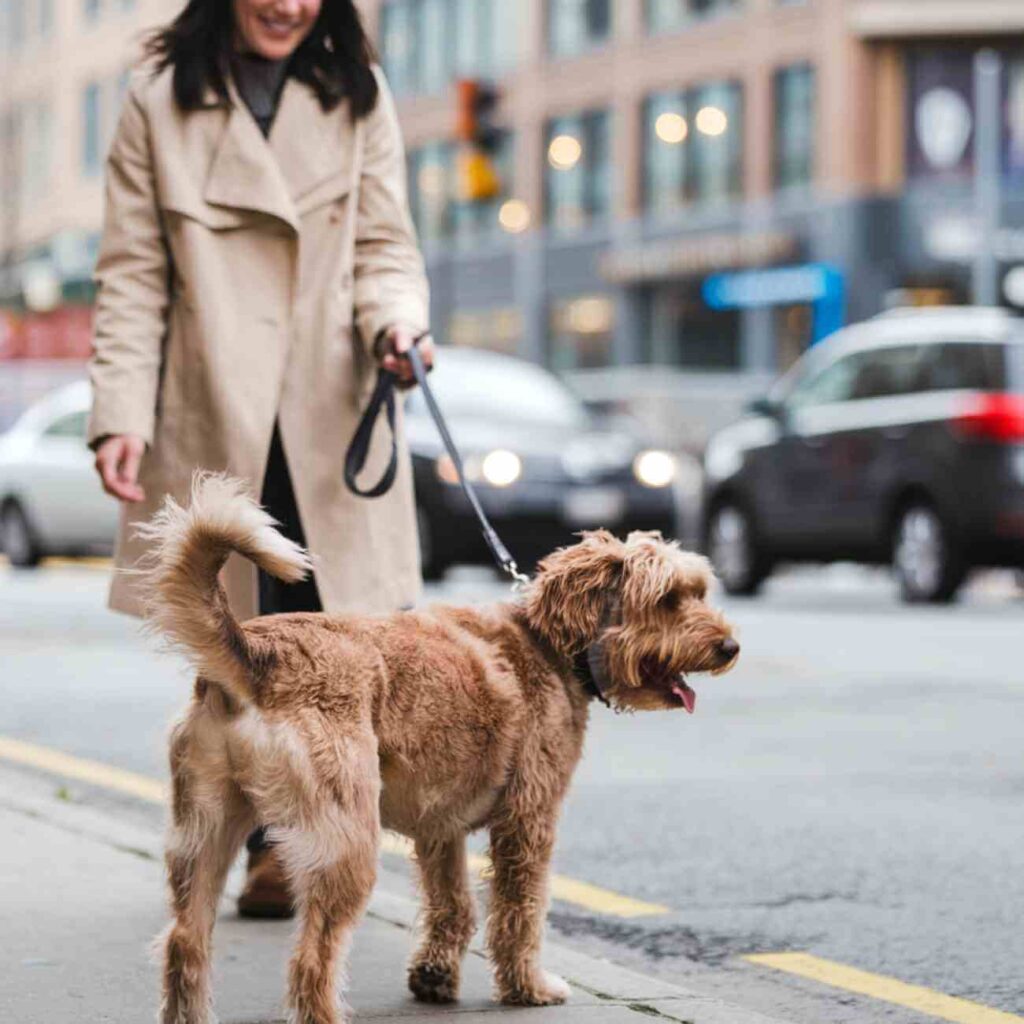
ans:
(51, 501)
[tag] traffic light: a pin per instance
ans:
(480, 137)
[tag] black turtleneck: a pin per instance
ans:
(260, 82)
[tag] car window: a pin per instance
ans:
(886, 372)
(958, 365)
(832, 384)
(511, 391)
(72, 425)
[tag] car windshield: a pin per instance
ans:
(500, 390)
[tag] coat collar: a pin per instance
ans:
(307, 147)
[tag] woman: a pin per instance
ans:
(257, 261)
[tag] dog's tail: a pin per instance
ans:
(183, 595)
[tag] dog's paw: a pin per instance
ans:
(547, 990)
(431, 983)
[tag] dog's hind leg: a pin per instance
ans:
(332, 861)
(448, 920)
(210, 819)
(521, 845)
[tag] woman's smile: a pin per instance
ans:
(274, 28)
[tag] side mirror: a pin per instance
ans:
(765, 407)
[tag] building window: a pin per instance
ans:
(431, 190)
(428, 43)
(578, 172)
(36, 137)
(91, 127)
(793, 151)
(575, 26)
(940, 87)
(581, 331)
(44, 18)
(672, 15)
(682, 330)
(693, 147)
(17, 17)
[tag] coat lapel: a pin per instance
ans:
(244, 173)
(314, 149)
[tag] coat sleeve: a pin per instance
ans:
(390, 281)
(132, 273)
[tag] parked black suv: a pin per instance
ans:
(899, 440)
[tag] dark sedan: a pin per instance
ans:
(899, 440)
(543, 467)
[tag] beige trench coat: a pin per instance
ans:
(242, 279)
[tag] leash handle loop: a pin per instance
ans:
(355, 457)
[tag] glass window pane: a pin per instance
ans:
(431, 193)
(398, 39)
(666, 148)
(432, 38)
(672, 15)
(717, 145)
(91, 129)
(794, 126)
(575, 26)
(578, 171)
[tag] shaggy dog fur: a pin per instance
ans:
(432, 723)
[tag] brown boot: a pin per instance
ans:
(266, 892)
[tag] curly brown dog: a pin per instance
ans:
(433, 723)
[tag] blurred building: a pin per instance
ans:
(653, 144)
(646, 146)
(64, 66)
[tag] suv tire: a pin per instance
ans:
(16, 537)
(928, 567)
(739, 560)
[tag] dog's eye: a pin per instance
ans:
(671, 601)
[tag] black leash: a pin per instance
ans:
(355, 458)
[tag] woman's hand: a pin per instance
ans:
(390, 350)
(117, 462)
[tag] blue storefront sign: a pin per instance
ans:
(819, 284)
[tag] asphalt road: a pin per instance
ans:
(854, 789)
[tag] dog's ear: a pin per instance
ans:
(650, 570)
(568, 596)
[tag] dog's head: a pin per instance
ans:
(641, 607)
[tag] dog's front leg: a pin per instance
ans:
(448, 920)
(521, 846)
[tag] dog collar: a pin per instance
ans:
(590, 671)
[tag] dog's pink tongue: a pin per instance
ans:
(686, 694)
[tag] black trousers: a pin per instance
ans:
(278, 498)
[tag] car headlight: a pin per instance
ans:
(501, 468)
(655, 468)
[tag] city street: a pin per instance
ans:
(852, 790)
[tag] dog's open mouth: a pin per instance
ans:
(686, 693)
(672, 685)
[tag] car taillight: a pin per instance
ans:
(992, 417)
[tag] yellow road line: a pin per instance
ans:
(889, 990)
(60, 562)
(582, 894)
(104, 775)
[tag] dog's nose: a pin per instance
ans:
(728, 648)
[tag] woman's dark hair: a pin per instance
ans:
(334, 59)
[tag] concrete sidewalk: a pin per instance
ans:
(82, 896)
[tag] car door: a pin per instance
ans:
(804, 479)
(868, 442)
(62, 492)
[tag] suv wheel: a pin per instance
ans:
(16, 537)
(927, 565)
(741, 565)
